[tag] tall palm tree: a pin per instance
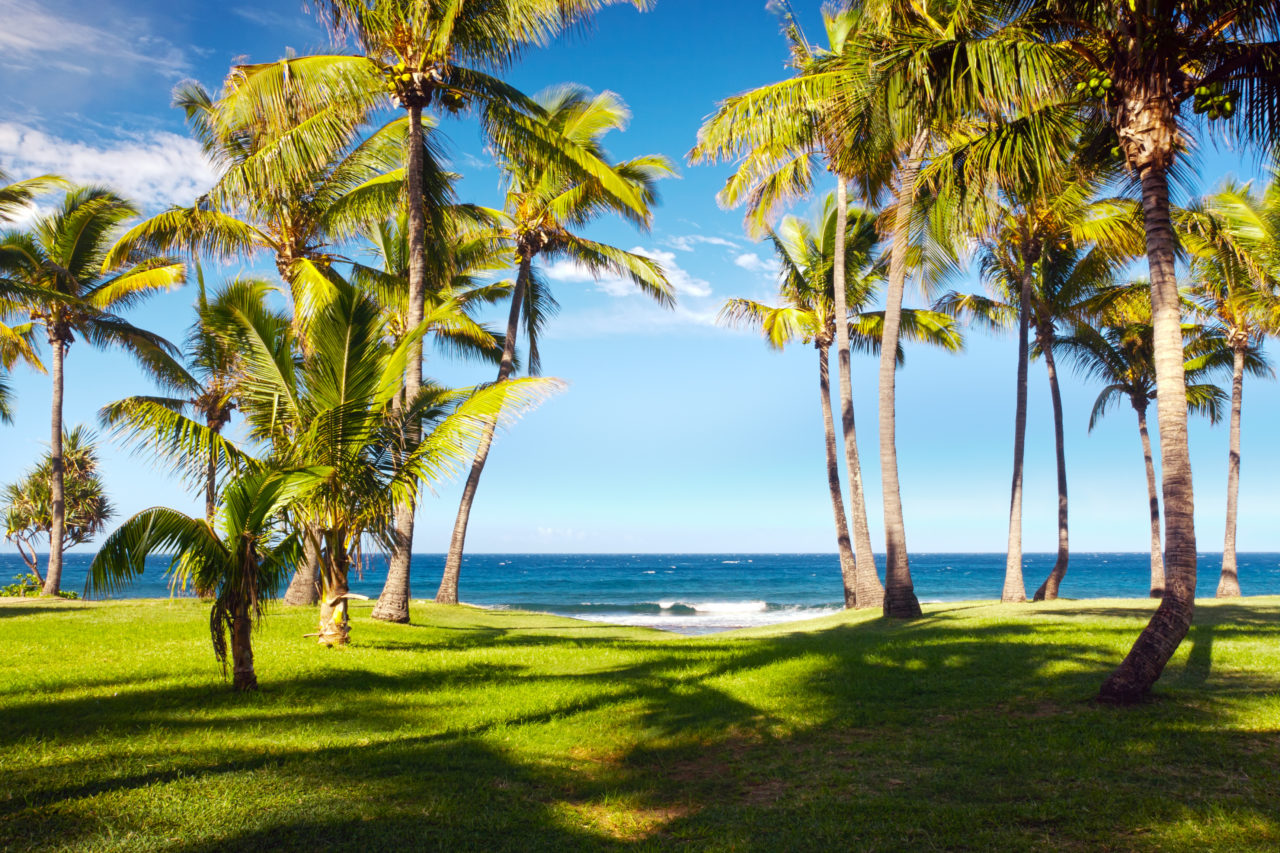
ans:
(72, 290)
(424, 55)
(242, 557)
(806, 252)
(1121, 354)
(1143, 69)
(778, 133)
(1233, 238)
(545, 205)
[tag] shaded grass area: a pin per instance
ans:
(972, 728)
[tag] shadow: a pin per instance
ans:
(1200, 659)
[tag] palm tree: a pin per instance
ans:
(544, 204)
(1142, 69)
(29, 502)
(1121, 354)
(242, 559)
(72, 290)
(806, 253)
(1048, 251)
(16, 196)
(779, 132)
(1233, 237)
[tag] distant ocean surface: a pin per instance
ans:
(701, 593)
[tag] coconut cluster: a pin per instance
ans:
(1097, 86)
(1213, 100)
(413, 87)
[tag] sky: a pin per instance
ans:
(674, 434)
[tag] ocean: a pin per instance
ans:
(703, 593)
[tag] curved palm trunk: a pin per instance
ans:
(393, 603)
(1014, 590)
(1169, 625)
(1229, 582)
(1048, 590)
(899, 596)
(53, 577)
(335, 626)
(848, 573)
(867, 590)
(211, 502)
(304, 587)
(448, 593)
(1153, 500)
(243, 676)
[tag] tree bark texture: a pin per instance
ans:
(393, 603)
(1133, 679)
(57, 495)
(848, 572)
(899, 597)
(1153, 501)
(1048, 590)
(867, 589)
(448, 593)
(1229, 581)
(304, 587)
(1014, 589)
(242, 674)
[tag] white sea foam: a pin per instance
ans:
(731, 607)
(708, 622)
(649, 573)
(730, 562)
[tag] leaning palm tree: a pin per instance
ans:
(242, 557)
(1233, 238)
(1121, 354)
(71, 289)
(545, 206)
(805, 251)
(1151, 72)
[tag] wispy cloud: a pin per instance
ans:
(154, 169)
(685, 285)
(688, 242)
(751, 262)
(39, 37)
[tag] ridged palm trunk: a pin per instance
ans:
(1014, 589)
(448, 593)
(848, 570)
(899, 594)
(304, 586)
(1153, 501)
(335, 624)
(1229, 582)
(393, 603)
(1048, 590)
(58, 344)
(867, 589)
(242, 674)
(1150, 126)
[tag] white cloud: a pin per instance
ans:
(751, 262)
(153, 169)
(36, 36)
(687, 242)
(685, 285)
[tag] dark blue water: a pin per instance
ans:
(694, 593)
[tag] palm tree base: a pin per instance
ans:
(391, 608)
(902, 604)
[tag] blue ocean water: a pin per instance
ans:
(699, 593)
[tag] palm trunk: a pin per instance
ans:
(848, 573)
(1048, 590)
(210, 499)
(393, 603)
(242, 674)
(900, 597)
(304, 587)
(867, 589)
(1229, 582)
(1153, 501)
(1169, 625)
(448, 593)
(1014, 590)
(53, 577)
(335, 627)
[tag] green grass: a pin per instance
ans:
(972, 728)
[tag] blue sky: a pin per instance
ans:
(674, 434)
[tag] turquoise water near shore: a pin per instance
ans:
(698, 593)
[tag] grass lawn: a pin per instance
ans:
(972, 728)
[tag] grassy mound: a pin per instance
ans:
(971, 728)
